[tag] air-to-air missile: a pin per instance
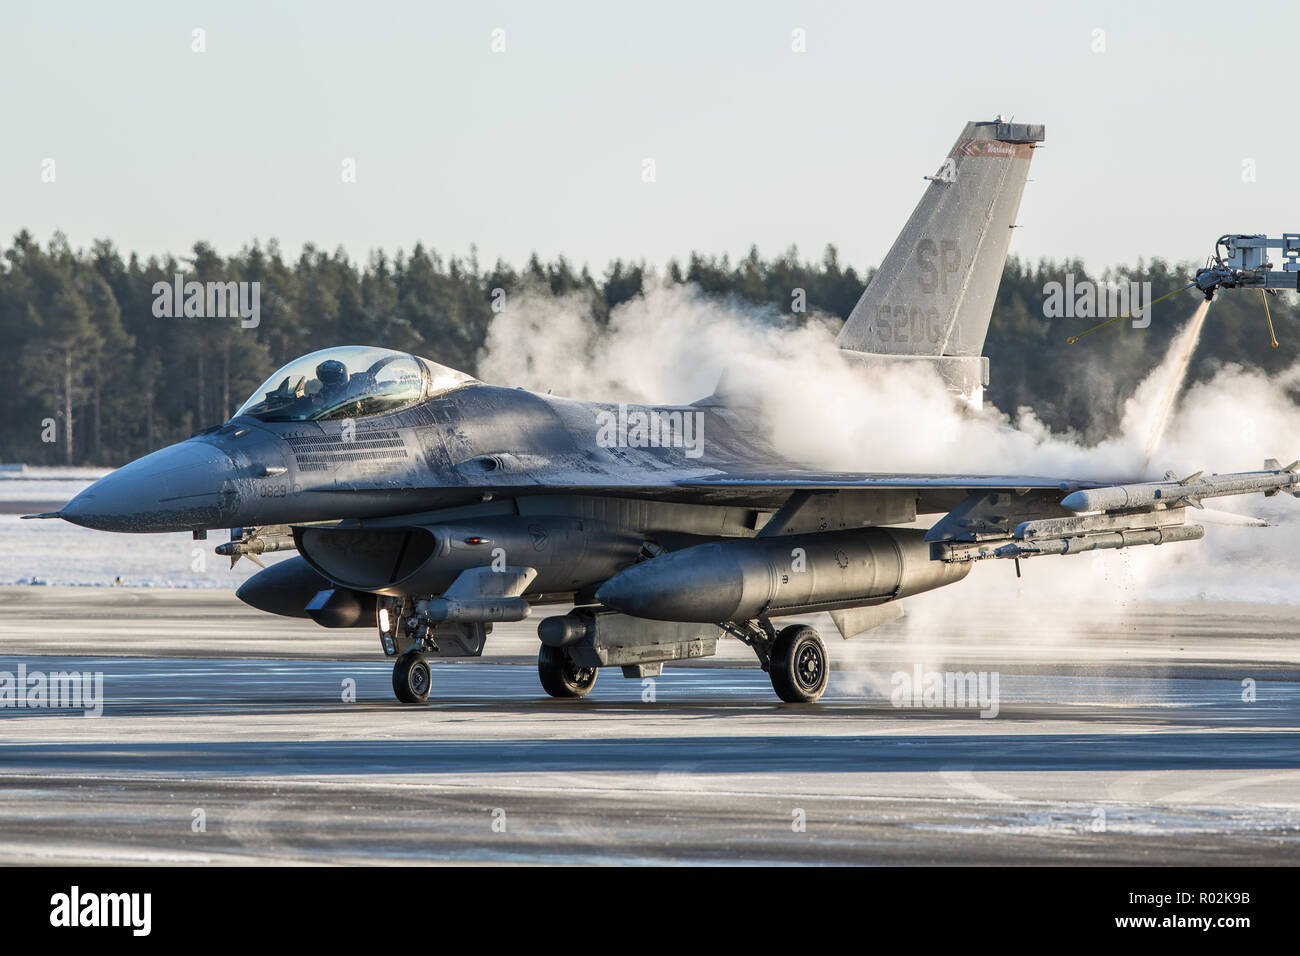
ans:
(1186, 491)
(1118, 516)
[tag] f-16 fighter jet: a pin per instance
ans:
(429, 505)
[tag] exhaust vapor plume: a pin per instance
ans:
(672, 345)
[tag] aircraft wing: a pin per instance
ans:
(1008, 516)
(829, 481)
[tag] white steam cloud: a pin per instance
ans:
(672, 344)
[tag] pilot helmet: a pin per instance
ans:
(332, 372)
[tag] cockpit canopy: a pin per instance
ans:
(348, 382)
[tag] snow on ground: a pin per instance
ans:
(57, 553)
(59, 472)
(46, 484)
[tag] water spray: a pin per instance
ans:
(1185, 348)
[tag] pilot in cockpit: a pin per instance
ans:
(333, 376)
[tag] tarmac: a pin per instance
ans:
(1162, 734)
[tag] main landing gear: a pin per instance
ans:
(798, 667)
(795, 658)
(560, 677)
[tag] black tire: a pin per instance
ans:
(799, 667)
(559, 677)
(412, 678)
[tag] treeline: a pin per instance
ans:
(88, 361)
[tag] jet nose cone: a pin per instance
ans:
(178, 488)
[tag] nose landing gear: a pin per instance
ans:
(411, 637)
(412, 678)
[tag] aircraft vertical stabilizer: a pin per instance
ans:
(933, 295)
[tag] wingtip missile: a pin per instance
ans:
(1189, 491)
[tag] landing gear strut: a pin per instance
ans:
(412, 678)
(560, 678)
(795, 659)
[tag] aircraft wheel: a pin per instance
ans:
(412, 678)
(560, 678)
(799, 666)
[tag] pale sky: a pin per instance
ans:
(541, 147)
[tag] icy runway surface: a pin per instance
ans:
(1134, 746)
